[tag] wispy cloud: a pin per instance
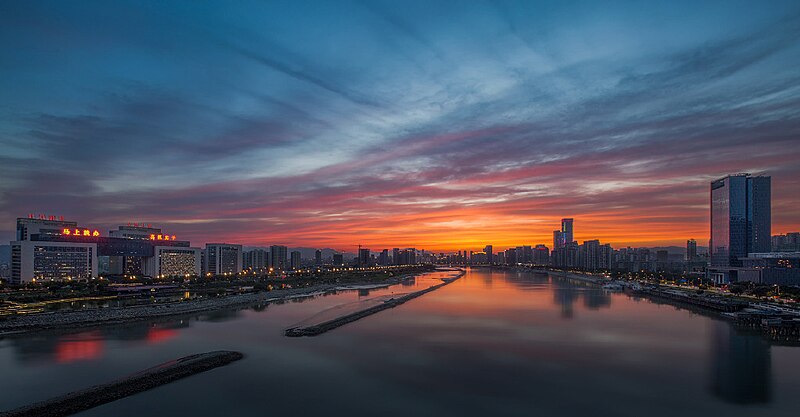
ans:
(433, 125)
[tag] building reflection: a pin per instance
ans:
(594, 299)
(565, 295)
(90, 345)
(741, 365)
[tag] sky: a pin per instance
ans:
(442, 125)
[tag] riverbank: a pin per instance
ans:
(66, 320)
(590, 278)
(165, 373)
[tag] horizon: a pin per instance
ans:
(426, 125)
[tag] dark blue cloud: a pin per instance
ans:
(224, 112)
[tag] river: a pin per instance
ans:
(493, 343)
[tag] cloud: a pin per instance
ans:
(393, 126)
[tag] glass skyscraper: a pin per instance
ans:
(740, 218)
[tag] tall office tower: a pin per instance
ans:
(223, 258)
(566, 230)
(295, 260)
(338, 259)
(318, 257)
(740, 218)
(277, 255)
(691, 250)
(383, 259)
(558, 239)
(363, 257)
(489, 254)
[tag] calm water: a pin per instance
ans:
(492, 343)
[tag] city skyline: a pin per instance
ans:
(401, 128)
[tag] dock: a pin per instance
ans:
(164, 373)
(326, 326)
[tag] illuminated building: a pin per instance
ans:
(295, 260)
(49, 249)
(278, 257)
(172, 261)
(46, 260)
(223, 259)
(567, 231)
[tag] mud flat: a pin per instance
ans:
(165, 373)
(329, 325)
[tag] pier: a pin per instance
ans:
(165, 373)
(329, 325)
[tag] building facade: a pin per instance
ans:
(740, 218)
(277, 256)
(173, 261)
(223, 259)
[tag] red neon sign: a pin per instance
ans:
(163, 237)
(81, 232)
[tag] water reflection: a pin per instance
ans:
(566, 293)
(91, 344)
(491, 343)
(740, 365)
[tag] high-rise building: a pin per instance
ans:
(541, 255)
(318, 257)
(338, 259)
(511, 256)
(789, 242)
(396, 256)
(383, 259)
(489, 254)
(295, 260)
(740, 218)
(558, 239)
(223, 259)
(363, 257)
(691, 250)
(566, 231)
(277, 256)
(173, 261)
(256, 260)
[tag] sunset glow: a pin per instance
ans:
(444, 134)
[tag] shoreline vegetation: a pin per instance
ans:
(78, 401)
(109, 316)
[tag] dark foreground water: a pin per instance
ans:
(493, 343)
